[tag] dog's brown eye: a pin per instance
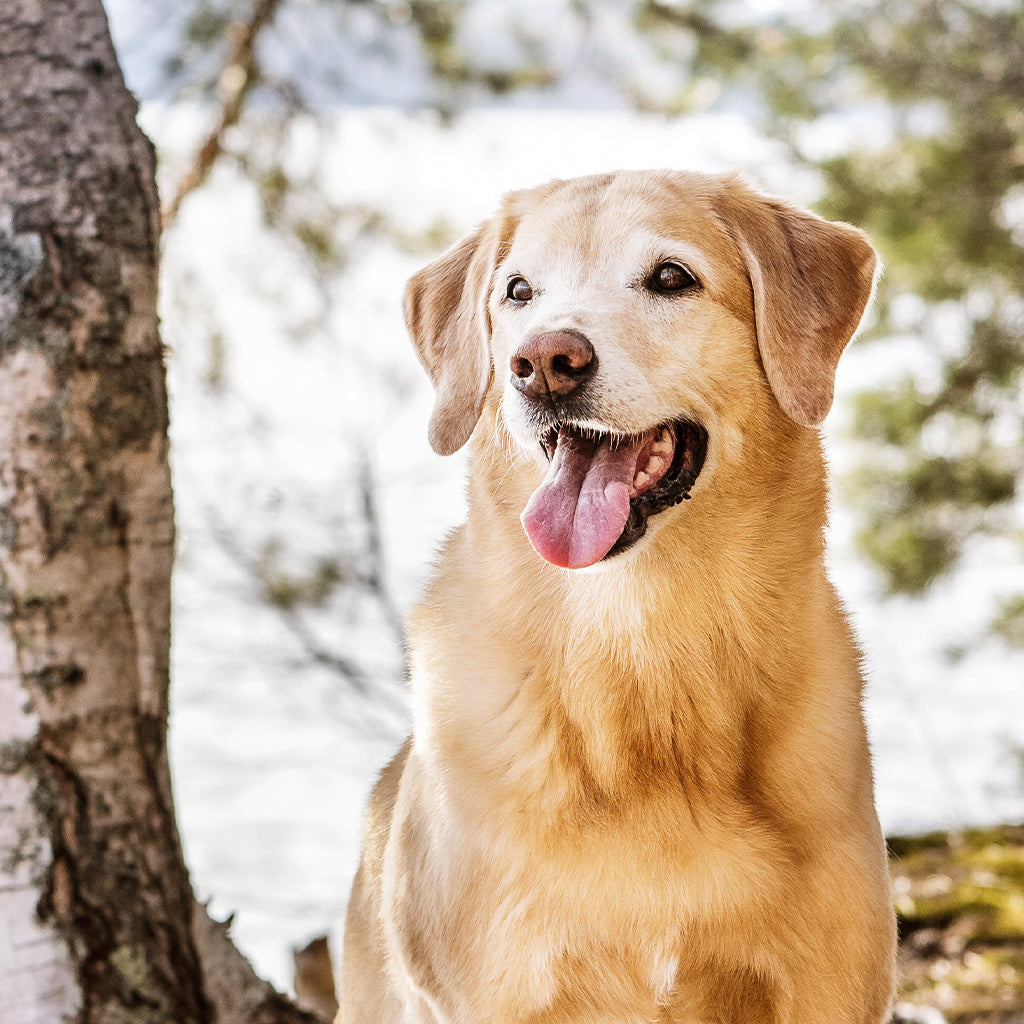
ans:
(519, 290)
(671, 277)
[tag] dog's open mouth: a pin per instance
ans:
(601, 488)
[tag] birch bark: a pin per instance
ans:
(97, 918)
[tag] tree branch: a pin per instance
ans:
(238, 994)
(293, 621)
(236, 80)
(375, 579)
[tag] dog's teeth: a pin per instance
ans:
(641, 479)
(664, 443)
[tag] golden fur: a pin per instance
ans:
(641, 791)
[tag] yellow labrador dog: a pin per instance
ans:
(638, 787)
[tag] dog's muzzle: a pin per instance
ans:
(601, 487)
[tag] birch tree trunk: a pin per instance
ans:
(97, 918)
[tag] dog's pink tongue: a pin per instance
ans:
(581, 508)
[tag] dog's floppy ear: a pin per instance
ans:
(446, 315)
(812, 280)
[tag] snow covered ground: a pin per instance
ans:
(272, 760)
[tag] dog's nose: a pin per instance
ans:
(552, 364)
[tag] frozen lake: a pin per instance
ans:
(273, 760)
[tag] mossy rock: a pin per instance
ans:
(960, 906)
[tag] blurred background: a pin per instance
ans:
(313, 153)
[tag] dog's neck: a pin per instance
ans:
(619, 671)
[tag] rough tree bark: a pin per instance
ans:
(97, 918)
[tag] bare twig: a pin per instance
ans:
(354, 675)
(375, 577)
(239, 75)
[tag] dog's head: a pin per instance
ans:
(621, 323)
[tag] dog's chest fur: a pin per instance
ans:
(520, 916)
(568, 811)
